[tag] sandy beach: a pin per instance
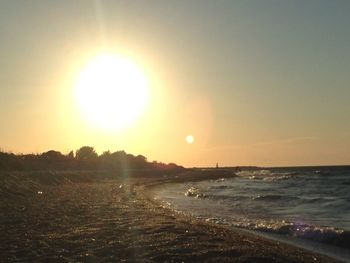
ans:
(86, 217)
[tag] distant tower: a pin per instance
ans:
(217, 165)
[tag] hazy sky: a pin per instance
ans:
(255, 82)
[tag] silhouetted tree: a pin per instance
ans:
(70, 155)
(9, 161)
(139, 161)
(105, 160)
(86, 158)
(141, 158)
(86, 153)
(52, 155)
(105, 154)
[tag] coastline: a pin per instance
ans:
(255, 237)
(65, 218)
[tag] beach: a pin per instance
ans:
(90, 217)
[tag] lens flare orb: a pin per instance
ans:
(189, 139)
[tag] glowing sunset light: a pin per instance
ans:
(189, 139)
(253, 83)
(111, 92)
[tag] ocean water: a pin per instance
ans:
(310, 204)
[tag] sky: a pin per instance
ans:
(254, 82)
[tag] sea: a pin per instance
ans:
(307, 207)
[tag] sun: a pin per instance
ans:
(111, 92)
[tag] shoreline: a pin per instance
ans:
(310, 248)
(334, 252)
(63, 219)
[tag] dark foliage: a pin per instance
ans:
(86, 153)
(85, 158)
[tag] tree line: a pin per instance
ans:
(85, 158)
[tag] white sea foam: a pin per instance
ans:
(289, 202)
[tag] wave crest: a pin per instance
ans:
(194, 192)
(327, 235)
(265, 175)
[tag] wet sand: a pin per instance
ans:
(55, 217)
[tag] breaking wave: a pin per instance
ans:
(306, 203)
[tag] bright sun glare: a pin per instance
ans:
(189, 139)
(111, 92)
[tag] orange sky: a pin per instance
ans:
(254, 83)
